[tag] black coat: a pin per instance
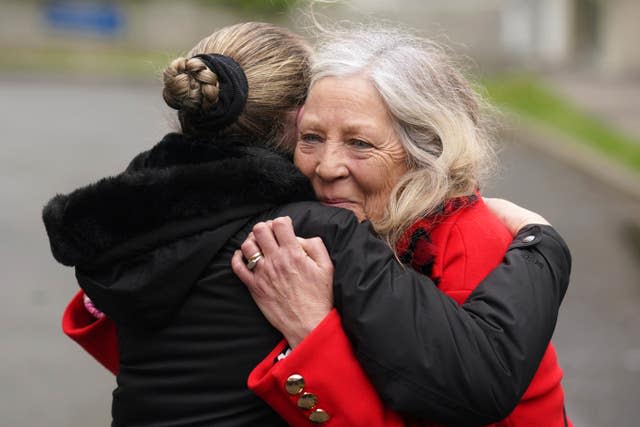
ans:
(152, 248)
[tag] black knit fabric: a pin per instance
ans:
(232, 98)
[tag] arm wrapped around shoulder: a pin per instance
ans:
(427, 356)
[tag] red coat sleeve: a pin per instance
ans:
(469, 245)
(331, 377)
(96, 336)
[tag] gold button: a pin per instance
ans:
(307, 401)
(319, 416)
(294, 384)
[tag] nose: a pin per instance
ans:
(332, 162)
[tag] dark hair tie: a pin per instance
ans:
(232, 96)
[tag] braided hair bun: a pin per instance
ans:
(240, 83)
(190, 86)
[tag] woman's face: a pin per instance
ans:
(347, 146)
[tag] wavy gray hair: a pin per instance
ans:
(437, 116)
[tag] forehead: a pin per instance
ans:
(353, 97)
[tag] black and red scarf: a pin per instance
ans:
(415, 248)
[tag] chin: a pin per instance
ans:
(360, 215)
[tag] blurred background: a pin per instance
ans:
(80, 95)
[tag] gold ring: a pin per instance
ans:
(253, 260)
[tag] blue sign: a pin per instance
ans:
(89, 17)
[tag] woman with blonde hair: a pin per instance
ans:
(160, 305)
(392, 131)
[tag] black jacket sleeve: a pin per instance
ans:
(427, 356)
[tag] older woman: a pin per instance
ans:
(393, 132)
(152, 247)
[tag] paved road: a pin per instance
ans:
(57, 135)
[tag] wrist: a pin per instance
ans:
(295, 337)
(536, 219)
(299, 333)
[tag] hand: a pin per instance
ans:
(513, 216)
(293, 283)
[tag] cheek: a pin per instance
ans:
(377, 181)
(377, 191)
(376, 177)
(304, 161)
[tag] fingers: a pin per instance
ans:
(240, 269)
(250, 247)
(317, 251)
(270, 236)
(514, 217)
(265, 239)
(284, 233)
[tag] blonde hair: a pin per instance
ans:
(276, 64)
(437, 116)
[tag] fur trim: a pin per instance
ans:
(176, 180)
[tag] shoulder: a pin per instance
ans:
(311, 219)
(468, 245)
(474, 223)
(343, 235)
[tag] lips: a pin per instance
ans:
(339, 203)
(334, 201)
(345, 204)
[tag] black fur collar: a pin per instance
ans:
(176, 180)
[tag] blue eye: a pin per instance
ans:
(310, 137)
(359, 143)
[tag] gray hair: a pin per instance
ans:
(437, 116)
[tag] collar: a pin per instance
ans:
(415, 247)
(177, 180)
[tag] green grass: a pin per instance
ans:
(529, 97)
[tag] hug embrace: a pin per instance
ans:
(311, 247)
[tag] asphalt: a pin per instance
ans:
(58, 135)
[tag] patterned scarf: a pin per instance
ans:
(415, 247)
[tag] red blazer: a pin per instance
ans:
(468, 245)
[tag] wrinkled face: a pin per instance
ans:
(347, 146)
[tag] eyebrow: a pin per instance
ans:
(355, 127)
